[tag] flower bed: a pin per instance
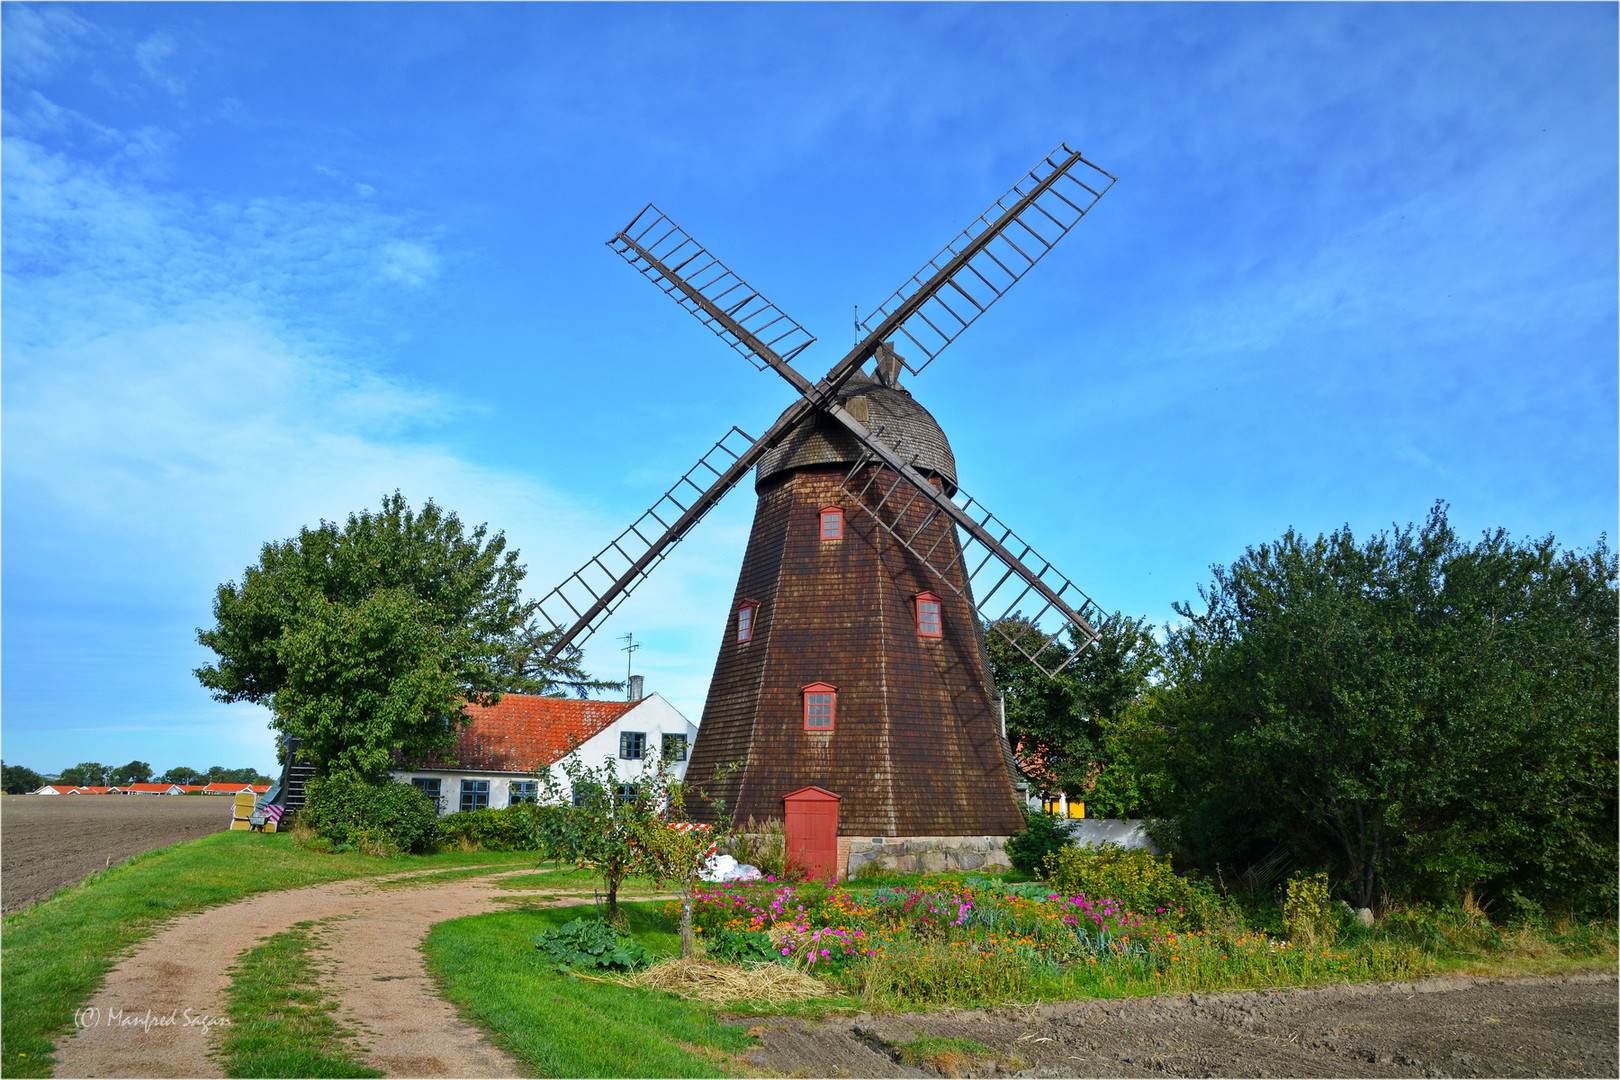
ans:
(959, 939)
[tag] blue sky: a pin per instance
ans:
(264, 263)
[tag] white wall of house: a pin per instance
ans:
(653, 718)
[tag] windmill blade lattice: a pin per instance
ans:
(667, 256)
(987, 258)
(999, 590)
(590, 594)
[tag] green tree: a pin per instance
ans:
(525, 670)
(673, 851)
(1064, 722)
(86, 774)
(20, 780)
(182, 774)
(1421, 715)
(136, 772)
(367, 640)
(607, 816)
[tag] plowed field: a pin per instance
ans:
(48, 842)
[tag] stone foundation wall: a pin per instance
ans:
(922, 854)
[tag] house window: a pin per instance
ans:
(674, 747)
(625, 793)
(587, 794)
(474, 794)
(928, 615)
(745, 619)
(523, 791)
(832, 523)
(429, 786)
(820, 700)
(632, 745)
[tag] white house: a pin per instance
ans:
(500, 757)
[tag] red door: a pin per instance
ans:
(811, 816)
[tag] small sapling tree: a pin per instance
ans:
(605, 821)
(675, 850)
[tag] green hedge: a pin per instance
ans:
(384, 818)
(519, 827)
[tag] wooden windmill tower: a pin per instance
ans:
(853, 684)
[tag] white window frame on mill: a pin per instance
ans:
(813, 707)
(928, 604)
(746, 613)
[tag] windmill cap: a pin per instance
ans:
(889, 411)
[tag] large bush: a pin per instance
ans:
(1135, 879)
(380, 818)
(519, 827)
(1421, 716)
(1043, 834)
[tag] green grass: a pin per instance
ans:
(55, 954)
(567, 877)
(281, 1019)
(950, 1056)
(560, 1026)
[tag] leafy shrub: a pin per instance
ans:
(1137, 879)
(763, 844)
(592, 945)
(519, 827)
(1043, 835)
(1307, 915)
(737, 946)
(380, 819)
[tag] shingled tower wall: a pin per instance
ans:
(916, 751)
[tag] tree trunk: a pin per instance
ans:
(688, 943)
(613, 903)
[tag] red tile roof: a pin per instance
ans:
(525, 733)
(89, 791)
(145, 787)
(222, 787)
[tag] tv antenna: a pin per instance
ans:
(630, 654)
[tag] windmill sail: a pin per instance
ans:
(590, 594)
(987, 258)
(1003, 575)
(663, 252)
(1002, 592)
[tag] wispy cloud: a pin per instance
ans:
(184, 382)
(39, 39)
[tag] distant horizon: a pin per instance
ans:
(264, 264)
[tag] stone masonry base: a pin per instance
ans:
(921, 854)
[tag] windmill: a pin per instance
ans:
(853, 679)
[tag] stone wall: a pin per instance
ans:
(923, 854)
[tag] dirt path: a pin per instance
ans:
(1556, 1026)
(380, 979)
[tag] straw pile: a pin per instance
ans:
(705, 980)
